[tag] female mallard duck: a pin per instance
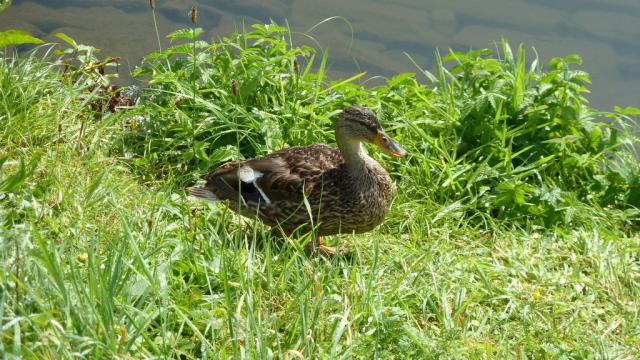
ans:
(346, 190)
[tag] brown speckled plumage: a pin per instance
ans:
(346, 190)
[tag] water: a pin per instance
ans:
(605, 33)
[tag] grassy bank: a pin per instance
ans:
(514, 233)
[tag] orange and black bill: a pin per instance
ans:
(387, 144)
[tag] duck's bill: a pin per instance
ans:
(388, 145)
(394, 149)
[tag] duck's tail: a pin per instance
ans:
(202, 193)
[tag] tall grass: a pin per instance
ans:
(513, 234)
(494, 138)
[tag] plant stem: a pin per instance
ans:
(155, 25)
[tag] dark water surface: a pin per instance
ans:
(606, 33)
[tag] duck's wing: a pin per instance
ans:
(286, 175)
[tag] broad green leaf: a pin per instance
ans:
(224, 153)
(17, 37)
(400, 79)
(573, 59)
(66, 39)
(190, 34)
(629, 110)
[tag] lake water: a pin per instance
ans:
(606, 33)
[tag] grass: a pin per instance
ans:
(514, 233)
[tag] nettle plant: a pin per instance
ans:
(242, 96)
(519, 143)
(491, 137)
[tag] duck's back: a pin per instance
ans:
(274, 188)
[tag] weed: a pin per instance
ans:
(490, 138)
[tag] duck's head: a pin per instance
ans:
(357, 123)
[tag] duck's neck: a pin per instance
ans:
(354, 154)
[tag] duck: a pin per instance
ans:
(316, 188)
